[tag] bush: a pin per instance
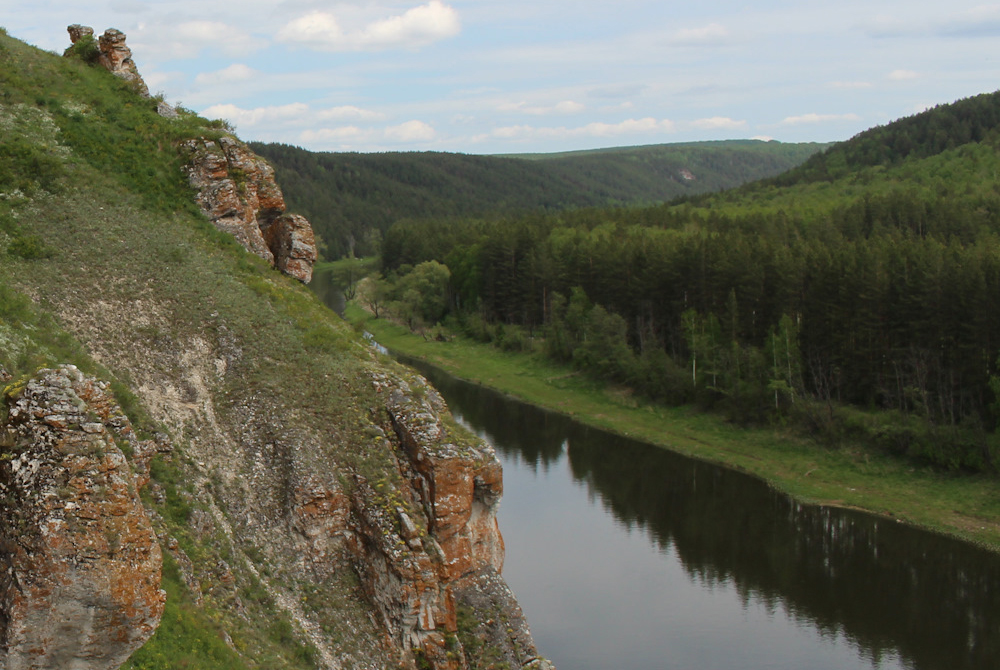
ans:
(29, 247)
(85, 49)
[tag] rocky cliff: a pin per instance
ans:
(318, 507)
(79, 562)
(237, 191)
(236, 188)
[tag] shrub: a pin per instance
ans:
(85, 49)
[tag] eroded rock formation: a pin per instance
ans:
(433, 545)
(115, 56)
(237, 191)
(79, 562)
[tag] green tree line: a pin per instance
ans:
(877, 290)
(352, 199)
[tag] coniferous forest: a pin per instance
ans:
(856, 295)
(352, 198)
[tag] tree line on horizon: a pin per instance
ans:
(875, 289)
(352, 199)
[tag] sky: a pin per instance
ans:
(522, 76)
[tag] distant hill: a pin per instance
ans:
(353, 198)
(921, 135)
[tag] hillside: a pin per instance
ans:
(854, 296)
(348, 196)
(170, 398)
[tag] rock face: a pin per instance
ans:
(79, 562)
(237, 191)
(429, 547)
(115, 56)
(290, 238)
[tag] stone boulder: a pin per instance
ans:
(117, 58)
(290, 238)
(79, 561)
(76, 31)
(236, 190)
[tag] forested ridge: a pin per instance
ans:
(859, 301)
(352, 199)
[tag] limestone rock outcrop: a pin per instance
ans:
(238, 193)
(433, 544)
(79, 561)
(115, 55)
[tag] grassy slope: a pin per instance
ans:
(126, 279)
(967, 507)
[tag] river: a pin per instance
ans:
(627, 556)
(624, 555)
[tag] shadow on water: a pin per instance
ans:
(327, 290)
(888, 588)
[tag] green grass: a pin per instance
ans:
(187, 637)
(963, 506)
(106, 263)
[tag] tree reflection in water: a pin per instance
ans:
(888, 588)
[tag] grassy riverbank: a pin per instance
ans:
(960, 505)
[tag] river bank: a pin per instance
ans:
(964, 506)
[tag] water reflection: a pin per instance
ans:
(859, 591)
(327, 290)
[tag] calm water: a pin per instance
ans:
(627, 556)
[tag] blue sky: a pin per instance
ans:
(484, 76)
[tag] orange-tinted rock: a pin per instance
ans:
(434, 540)
(76, 31)
(290, 238)
(79, 562)
(117, 58)
(462, 483)
(237, 192)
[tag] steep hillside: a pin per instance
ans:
(922, 135)
(350, 196)
(312, 502)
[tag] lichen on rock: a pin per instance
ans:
(79, 562)
(236, 190)
(434, 543)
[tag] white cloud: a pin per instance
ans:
(233, 73)
(296, 111)
(317, 29)
(818, 118)
(628, 127)
(155, 80)
(326, 135)
(713, 33)
(348, 112)
(295, 114)
(850, 85)
(411, 131)
(902, 75)
(189, 39)
(718, 123)
(351, 137)
(564, 107)
(977, 22)
(417, 27)
(763, 138)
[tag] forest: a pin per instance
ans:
(854, 296)
(352, 199)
